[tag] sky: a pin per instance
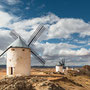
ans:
(67, 24)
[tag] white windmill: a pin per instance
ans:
(19, 53)
(60, 66)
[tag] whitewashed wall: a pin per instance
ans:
(20, 60)
(59, 69)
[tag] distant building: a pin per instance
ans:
(59, 68)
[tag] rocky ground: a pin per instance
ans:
(46, 79)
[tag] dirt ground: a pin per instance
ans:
(46, 78)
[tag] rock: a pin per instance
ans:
(15, 83)
(27, 83)
(47, 85)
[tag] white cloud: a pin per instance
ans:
(24, 24)
(31, 24)
(53, 49)
(61, 49)
(27, 8)
(65, 27)
(1, 7)
(5, 19)
(12, 2)
(80, 42)
(88, 43)
(57, 28)
(53, 52)
(80, 52)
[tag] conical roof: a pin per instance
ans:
(19, 43)
(58, 64)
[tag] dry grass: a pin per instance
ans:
(79, 82)
(2, 73)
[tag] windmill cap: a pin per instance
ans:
(19, 43)
(58, 64)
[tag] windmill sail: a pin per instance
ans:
(33, 38)
(15, 35)
(38, 57)
(63, 62)
(4, 51)
(60, 63)
(36, 34)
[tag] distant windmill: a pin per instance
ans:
(62, 63)
(19, 53)
(60, 66)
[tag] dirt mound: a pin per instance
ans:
(27, 83)
(85, 70)
(47, 85)
(16, 83)
(51, 81)
(73, 73)
(86, 67)
(19, 85)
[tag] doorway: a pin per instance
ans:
(11, 70)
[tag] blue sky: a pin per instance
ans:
(67, 23)
(62, 8)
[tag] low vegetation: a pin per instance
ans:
(48, 79)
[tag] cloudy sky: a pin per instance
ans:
(67, 33)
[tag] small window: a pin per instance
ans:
(13, 49)
(23, 49)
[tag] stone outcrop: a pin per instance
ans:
(27, 83)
